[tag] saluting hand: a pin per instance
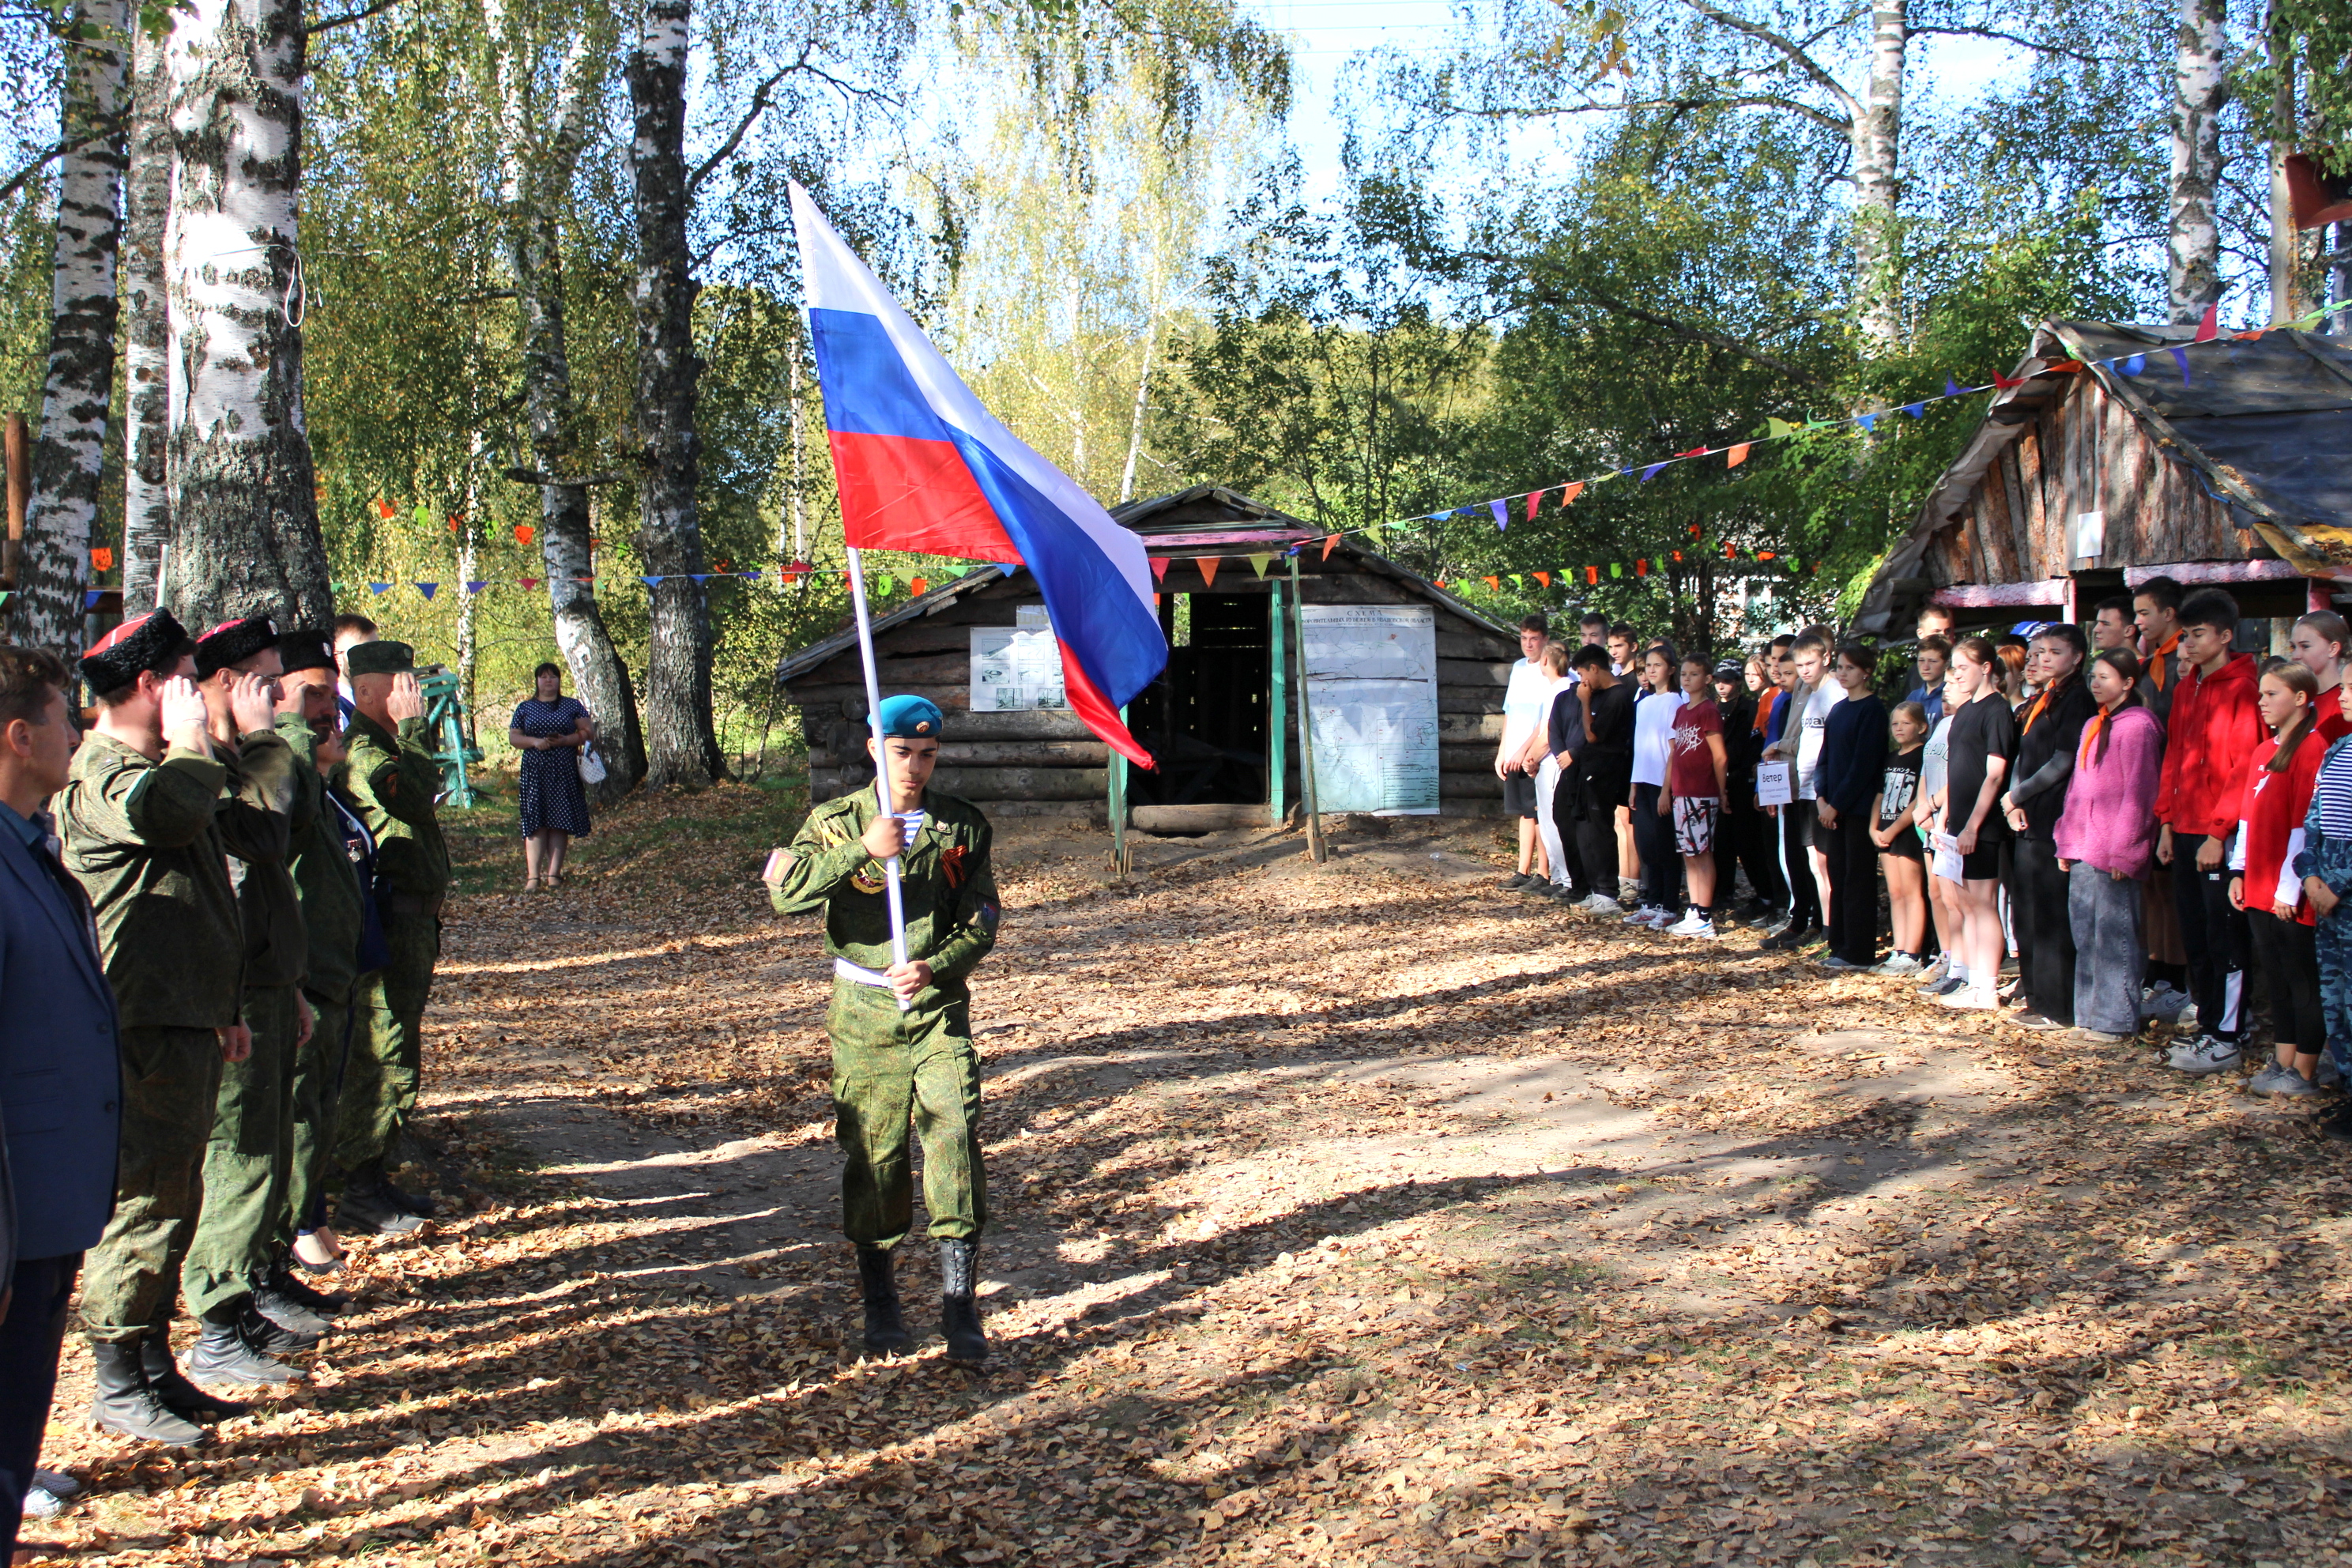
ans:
(253, 702)
(181, 708)
(407, 698)
(884, 836)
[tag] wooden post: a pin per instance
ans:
(1278, 714)
(1121, 863)
(1316, 849)
(17, 445)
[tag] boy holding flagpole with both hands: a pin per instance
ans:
(901, 1030)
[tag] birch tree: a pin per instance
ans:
(244, 507)
(682, 745)
(62, 516)
(2201, 87)
(146, 330)
(536, 161)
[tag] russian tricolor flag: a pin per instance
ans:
(922, 466)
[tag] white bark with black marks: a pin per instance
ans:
(535, 169)
(2192, 272)
(146, 331)
(62, 516)
(681, 742)
(1877, 151)
(245, 518)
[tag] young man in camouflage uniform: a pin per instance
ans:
(138, 820)
(890, 1066)
(248, 1322)
(333, 863)
(393, 782)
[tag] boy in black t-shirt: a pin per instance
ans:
(1604, 770)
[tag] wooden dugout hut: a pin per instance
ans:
(2086, 478)
(1223, 718)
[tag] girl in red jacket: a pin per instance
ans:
(2262, 881)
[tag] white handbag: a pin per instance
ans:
(592, 766)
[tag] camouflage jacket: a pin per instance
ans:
(391, 783)
(324, 878)
(261, 810)
(143, 839)
(945, 880)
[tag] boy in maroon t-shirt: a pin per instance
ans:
(1694, 793)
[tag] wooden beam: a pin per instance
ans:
(2190, 572)
(1999, 596)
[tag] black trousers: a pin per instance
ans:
(30, 1337)
(2288, 951)
(2214, 936)
(1804, 895)
(1563, 821)
(1744, 842)
(2045, 934)
(1654, 841)
(1596, 846)
(1853, 920)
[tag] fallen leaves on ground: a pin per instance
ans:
(1347, 1213)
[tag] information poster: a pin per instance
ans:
(1371, 696)
(1017, 667)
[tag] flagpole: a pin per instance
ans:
(881, 756)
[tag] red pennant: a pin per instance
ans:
(1592, 575)
(531, 582)
(1730, 552)
(525, 534)
(1331, 542)
(384, 509)
(1678, 555)
(1535, 499)
(1208, 566)
(1641, 568)
(2210, 327)
(1765, 556)
(1159, 568)
(1693, 452)
(2063, 367)
(2006, 382)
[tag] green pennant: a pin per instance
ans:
(1258, 564)
(1517, 581)
(1616, 569)
(1776, 428)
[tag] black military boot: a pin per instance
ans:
(228, 1354)
(886, 1327)
(175, 1391)
(370, 1211)
(960, 1302)
(282, 1308)
(325, 1303)
(126, 1402)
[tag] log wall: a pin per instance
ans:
(1048, 763)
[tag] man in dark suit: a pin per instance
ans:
(60, 1080)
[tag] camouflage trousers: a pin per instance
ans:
(387, 1046)
(250, 1154)
(318, 1092)
(170, 1081)
(890, 1070)
(2333, 938)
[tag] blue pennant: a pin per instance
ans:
(2181, 358)
(1502, 516)
(378, 587)
(1651, 472)
(1867, 421)
(2132, 364)
(1916, 410)
(1951, 388)
(428, 589)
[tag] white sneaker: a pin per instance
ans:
(1602, 904)
(1899, 963)
(1977, 998)
(1640, 915)
(2163, 1002)
(1704, 931)
(1689, 925)
(2203, 1056)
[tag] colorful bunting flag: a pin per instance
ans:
(2210, 327)
(1592, 575)
(1568, 494)
(1616, 569)
(378, 587)
(2132, 364)
(90, 597)
(1951, 387)
(1641, 568)
(1492, 585)
(102, 558)
(525, 534)
(529, 583)
(384, 509)
(916, 586)
(1534, 500)
(1916, 410)
(1208, 566)
(427, 589)
(1651, 472)
(1735, 456)
(477, 585)
(1329, 541)
(1502, 515)
(1544, 578)
(1869, 422)
(1159, 569)
(1774, 430)
(1258, 564)
(2181, 358)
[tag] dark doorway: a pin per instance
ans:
(1204, 719)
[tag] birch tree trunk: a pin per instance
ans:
(244, 515)
(1877, 142)
(2201, 85)
(61, 516)
(532, 193)
(682, 744)
(146, 333)
(2286, 243)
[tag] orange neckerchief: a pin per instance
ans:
(2095, 729)
(2042, 700)
(1773, 698)
(2161, 660)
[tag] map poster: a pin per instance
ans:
(1372, 694)
(1017, 667)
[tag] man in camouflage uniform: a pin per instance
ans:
(138, 819)
(333, 863)
(393, 781)
(891, 1065)
(248, 1322)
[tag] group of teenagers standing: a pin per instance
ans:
(2146, 820)
(219, 912)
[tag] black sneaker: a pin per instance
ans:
(2337, 1128)
(1517, 880)
(289, 1314)
(367, 1212)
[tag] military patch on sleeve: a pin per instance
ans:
(989, 915)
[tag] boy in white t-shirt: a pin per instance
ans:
(1527, 702)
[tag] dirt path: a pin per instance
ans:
(1355, 1214)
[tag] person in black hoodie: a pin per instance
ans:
(1853, 759)
(2051, 733)
(1604, 770)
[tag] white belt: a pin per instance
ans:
(844, 970)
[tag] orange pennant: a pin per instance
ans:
(384, 509)
(1331, 542)
(1494, 584)
(1641, 568)
(1737, 456)
(917, 584)
(1568, 493)
(525, 534)
(1544, 578)
(1208, 566)
(102, 558)
(1592, 574)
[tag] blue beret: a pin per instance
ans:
(912, 718)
